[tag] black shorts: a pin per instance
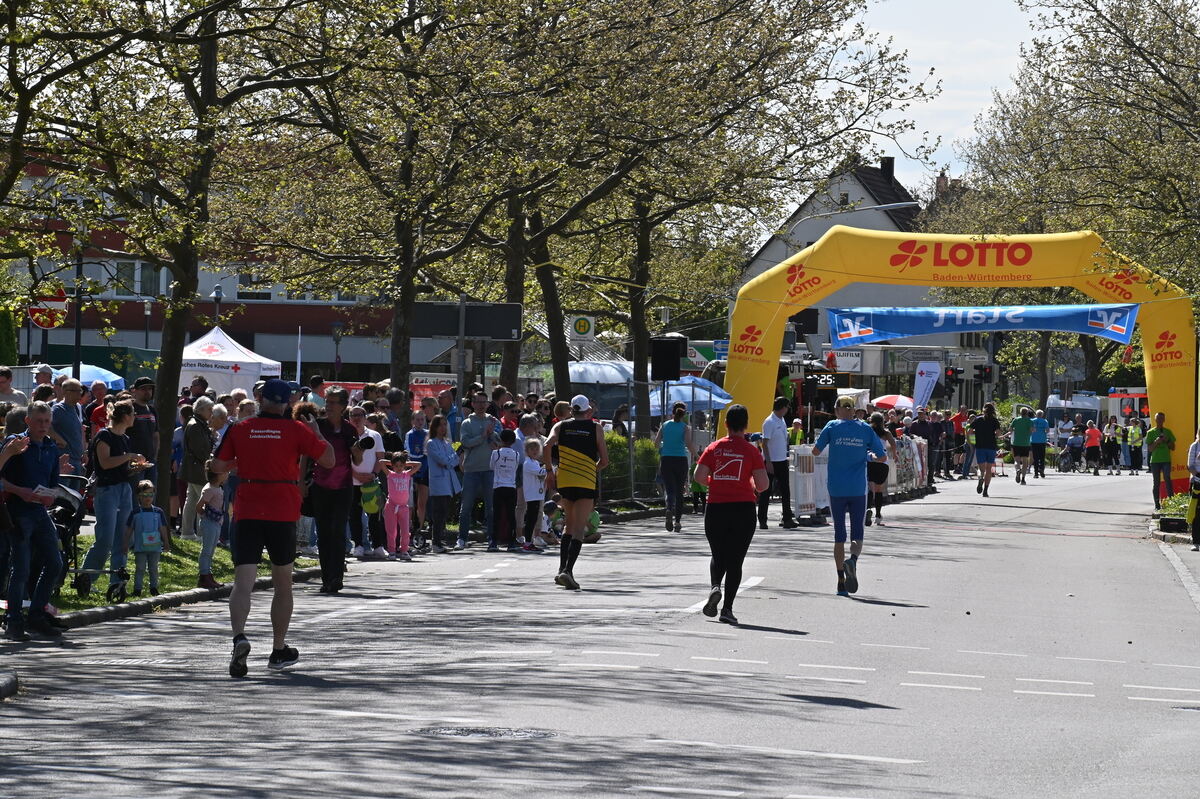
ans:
(251, 536)
(421, 478)
(1020, 452)
(574, 494)
(877, 473)
(959, 440)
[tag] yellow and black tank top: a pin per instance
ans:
(577, 453)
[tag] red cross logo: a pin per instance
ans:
(235, 368)
(211, 349)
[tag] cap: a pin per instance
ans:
(292, 385)
(43, 369)
(844, 402)
(580, 403)
(143, 381)
(277, 391)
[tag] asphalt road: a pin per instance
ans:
(1032, 644)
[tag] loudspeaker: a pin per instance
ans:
(665, 354)
(807, 321)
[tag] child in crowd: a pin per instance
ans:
(504, 462)
(211, 513)
(699, 495)
(146, 531)
(397, 516)
(592, 535)
(533, 479)
(555, 518)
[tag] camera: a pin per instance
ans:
(366, 442)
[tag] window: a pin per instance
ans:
(125, 279)
(971, 340)
(250, 289)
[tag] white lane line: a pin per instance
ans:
(617, 653)
(938, 685)
(730, 660)
(695, 632)
(846, 680)
(719, 673)
(1089, 660)
(1057, 682)
(513, 651)
(746, 585)
(795, 638)
(997, 654)
(896, 646)
(1160, 688)
(472, 576)
(617, 666)
(366, 714)
(1164, 699)
(818, 796)
(489, 571)
(489, 664)
(1176, 666)
(798, 752)
(1052, 693)
(682, 790)
(949, 674)
(841, 668)
(1185, 576)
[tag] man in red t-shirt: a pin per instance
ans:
(733, 470)
(960, 435)
(266, 451)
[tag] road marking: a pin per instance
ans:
(1176, 666)
(798, 752)
(719, 673)
(842, 668)
(513, 651)
(1057, 682)
(1051, 693)
(746, 585)
(472, 576)
(1185, 576)
(491, 664)
(620, 654)
(682, 790)
(797, 639)
(489, 571)
(367, 714)
(1160, 688)
(949, 674)
(601, 665)
(896, 646)
(1164, 699)
(1089, 660)
(846, 680)
(694, 632)
(818, 796)
(730, 660)
(937, 685)
(997, 654)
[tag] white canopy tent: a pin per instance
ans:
(224, 363)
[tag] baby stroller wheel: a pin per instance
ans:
(118, 590)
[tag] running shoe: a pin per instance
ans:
(879, 521)
(439, 550)
(789, 524)
(379, 552)
(282, 658)
(985, 493)
(1195, 548)
(867, 521)
(667, 519)
(714, 596)
(41, 624)
(568, 581)
(404, 556)
(15, 632)
(493, 548)
(851, 570)
(241, 651)
(678, 526)
(357, 552)
(310, 552)
(531, 547)
(461, 545)
(979, 486)
(727, 617)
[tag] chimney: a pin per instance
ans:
(943, 184)
(887, 165)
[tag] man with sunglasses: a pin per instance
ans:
(67, 421)
(480, 435)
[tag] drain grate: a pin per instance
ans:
(484, 732)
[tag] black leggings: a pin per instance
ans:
(533, 509)
(437, 509)
(504, 504)
(729, 528)
(331, 508)
(674, 470)
(1039, 459)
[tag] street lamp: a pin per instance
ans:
(338, 330)
(217, 295)
(146, 309)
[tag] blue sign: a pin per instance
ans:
(850, 327)
(721, 349)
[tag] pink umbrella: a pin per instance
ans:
(888, 401)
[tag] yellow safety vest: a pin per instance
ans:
(1135, 435)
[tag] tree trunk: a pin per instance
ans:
(556, 330)
(514, 287)
(1095, 356)
(638, 330)
(1043, 368)
(405, 283)
(175, 318)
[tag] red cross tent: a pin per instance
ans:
(224, 363)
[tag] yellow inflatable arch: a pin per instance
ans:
(849, 255)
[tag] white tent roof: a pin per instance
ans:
(224, 363)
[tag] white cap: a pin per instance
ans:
(43, 368)
(580, 403)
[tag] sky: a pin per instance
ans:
(974, 46)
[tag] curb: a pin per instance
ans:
(9, 684)
(83, 618)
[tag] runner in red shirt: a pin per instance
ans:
(266, 450)
(733, 470)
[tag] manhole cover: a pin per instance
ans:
(483, 732)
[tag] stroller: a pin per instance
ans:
(67, 512)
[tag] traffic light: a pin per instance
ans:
(952, 375)
(983, 372)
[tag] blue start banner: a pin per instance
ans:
(849, 327)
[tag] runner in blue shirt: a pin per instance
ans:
(851, 444)
(1038, 439)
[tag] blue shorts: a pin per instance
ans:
(985, 455)
(856, 507)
